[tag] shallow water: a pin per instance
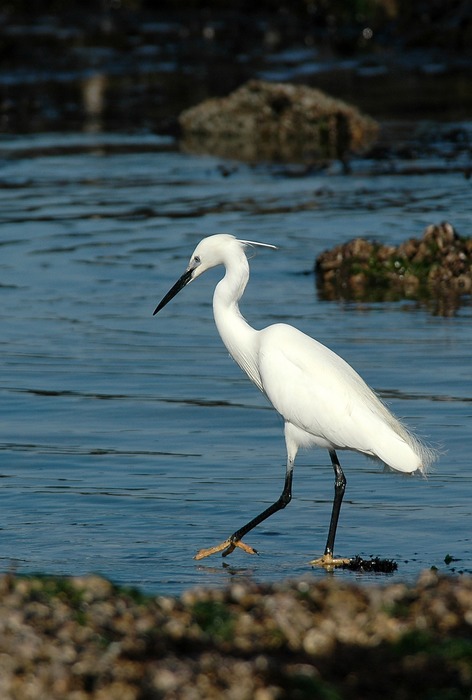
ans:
(128, 442)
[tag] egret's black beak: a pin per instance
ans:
(180, 284)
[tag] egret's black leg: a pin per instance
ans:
(339, 488)
(235, 540)
(283, 500)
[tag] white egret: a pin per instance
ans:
(322, 400)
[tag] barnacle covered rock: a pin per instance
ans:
(276, 122)
(436, 268)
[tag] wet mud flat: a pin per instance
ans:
(84, 638)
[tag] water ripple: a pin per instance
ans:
(129, 442)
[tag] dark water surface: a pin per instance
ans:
(128, 442)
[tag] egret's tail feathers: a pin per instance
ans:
(426, 454)
(408, 454)
(400, 449)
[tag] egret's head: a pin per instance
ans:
(213, 251)
(219, 249)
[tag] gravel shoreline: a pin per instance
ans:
(81, 638)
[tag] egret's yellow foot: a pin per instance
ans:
(329, 562)
(228, 546)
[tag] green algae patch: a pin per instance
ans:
(214, 618)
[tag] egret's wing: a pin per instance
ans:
(300, 383)
(321, 394)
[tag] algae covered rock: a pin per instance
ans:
(436, 268)
(276, 122)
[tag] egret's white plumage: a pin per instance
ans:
(321, 398)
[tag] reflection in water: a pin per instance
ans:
(93, 95)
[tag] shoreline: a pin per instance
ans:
(83, 637)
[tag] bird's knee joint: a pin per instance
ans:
(285, 499)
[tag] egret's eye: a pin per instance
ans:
(197, 259)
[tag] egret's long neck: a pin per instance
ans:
(238, 336)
